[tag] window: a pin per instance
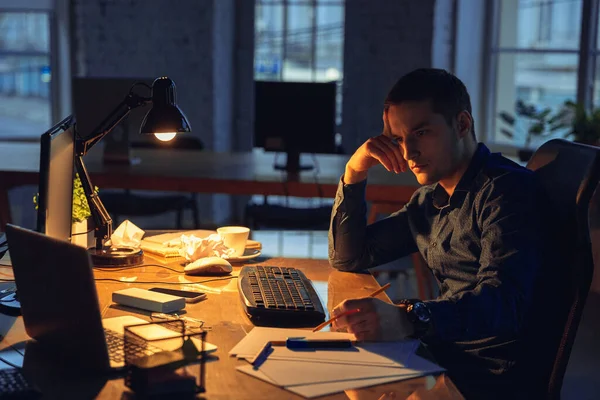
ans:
(25, 72)
(300, 40)
(535, 57)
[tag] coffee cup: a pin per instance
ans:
(235, 238)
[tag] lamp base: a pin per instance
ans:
(9, 303)
(116, 256)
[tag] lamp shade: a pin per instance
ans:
(164, 118)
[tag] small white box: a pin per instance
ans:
(147, 300)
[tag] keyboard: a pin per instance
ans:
(278, 296)
(13, 385)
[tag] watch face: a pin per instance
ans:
(422, 312)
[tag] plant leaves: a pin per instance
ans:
(536, 129)
(507, 133)
(506, 117)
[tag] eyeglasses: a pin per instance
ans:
(192, 325)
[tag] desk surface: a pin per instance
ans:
(208, 172)
(223, 312)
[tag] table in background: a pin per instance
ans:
(224, 314)
(244, 173)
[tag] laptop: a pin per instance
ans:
(59, 302)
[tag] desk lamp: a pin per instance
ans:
(164, 120)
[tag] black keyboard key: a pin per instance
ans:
(14, 385)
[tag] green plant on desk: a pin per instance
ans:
(81, 209)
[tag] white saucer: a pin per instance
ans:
(248, 255)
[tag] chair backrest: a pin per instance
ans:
(569, 174)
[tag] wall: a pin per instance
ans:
(384, 40)
(191, 41)
(129, 39)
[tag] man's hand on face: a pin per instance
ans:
(380, 149)
(375, 320)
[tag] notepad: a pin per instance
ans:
(160, 250)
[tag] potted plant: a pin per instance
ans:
(536, 123)
(80, 213)
(585, 126)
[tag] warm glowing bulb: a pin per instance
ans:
(165, 137)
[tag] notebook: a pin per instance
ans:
(60, 305)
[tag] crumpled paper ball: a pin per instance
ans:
(194, 248)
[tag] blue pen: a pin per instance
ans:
(301, 343)
(261, 357)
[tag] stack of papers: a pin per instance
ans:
(320, 372)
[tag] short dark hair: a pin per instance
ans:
(447, 93)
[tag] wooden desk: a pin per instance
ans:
(223, 312)
(204, 172)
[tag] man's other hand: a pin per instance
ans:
(375, 320)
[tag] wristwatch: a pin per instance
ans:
(419, 315)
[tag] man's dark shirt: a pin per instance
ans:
(480, 243)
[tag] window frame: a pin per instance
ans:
(586, 57)
(58, 55)
(314, 5)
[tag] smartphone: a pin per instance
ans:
(190, 297)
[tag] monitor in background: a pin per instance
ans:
(55, 200)
(94, 99)
(295, 117)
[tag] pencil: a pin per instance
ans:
(381, 289)
(350, 312)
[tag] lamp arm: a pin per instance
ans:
(131, 101)
(101, 217)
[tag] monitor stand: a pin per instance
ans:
(292, 164)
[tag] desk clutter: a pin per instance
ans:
(319, 370)
(197, 244)
(161, 356)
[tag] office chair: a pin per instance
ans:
(422, 272)
(130, 204)
(569, 174)
(279, 216)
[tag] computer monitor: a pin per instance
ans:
(295, 117)
(55, 199)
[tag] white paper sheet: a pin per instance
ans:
(254, 341)
(321, 389)
(291, 373)
(389, 354)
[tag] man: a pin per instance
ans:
(473, 221)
